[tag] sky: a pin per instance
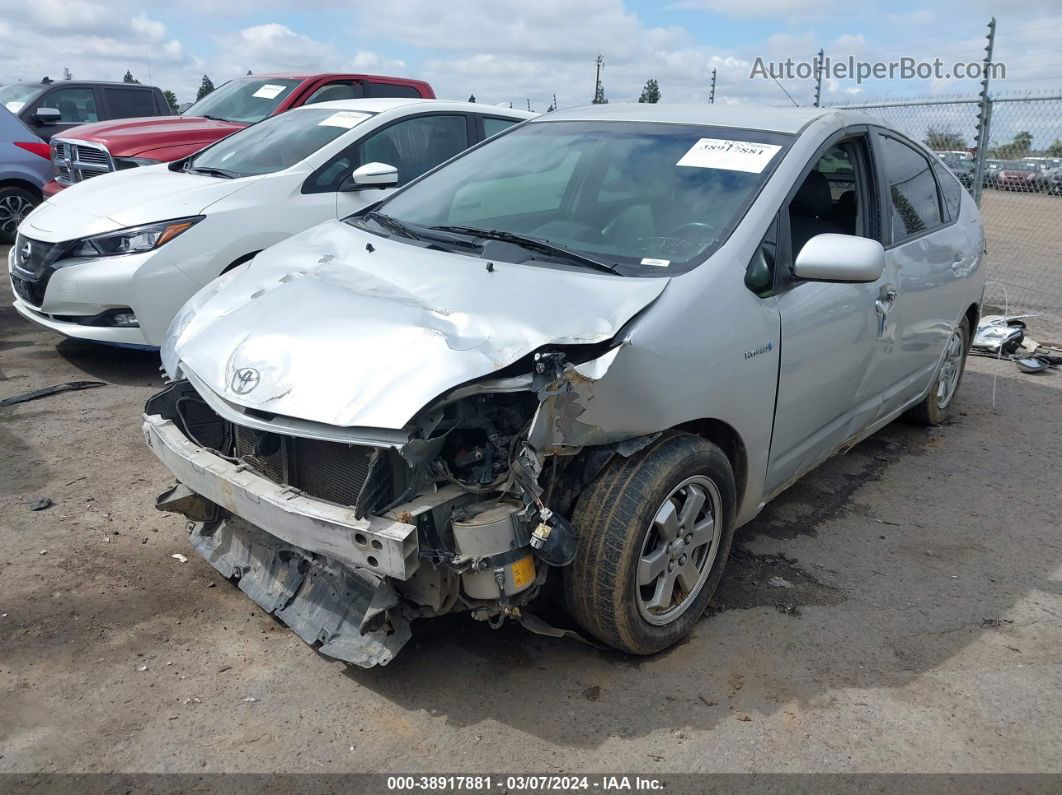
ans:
(525, 51)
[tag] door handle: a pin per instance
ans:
(885, 304)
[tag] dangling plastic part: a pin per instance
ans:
(554, 542)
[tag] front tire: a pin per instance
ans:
(654, 535)
(934, 409)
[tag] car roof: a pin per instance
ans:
(384, 104)
(748, 117)
(73, 82)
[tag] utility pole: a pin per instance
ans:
(711, 94)
(529, 103)
(599, 92)
(984, 116)
(818, 79)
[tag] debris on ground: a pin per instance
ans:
(142, 667)
(1004, 337)
(250, 699)
(40, 503)
(779, 582)
(179, 557)
(55, 389)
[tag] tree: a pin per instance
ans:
(249, 72)
(171, 100)
(943, 139)
(1023, 142)
(204, 88)
(1055, 149)
(129, 77)
(67, 74)
(46, 80)
(651, 92)
(471, 97)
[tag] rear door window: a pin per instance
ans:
(390, 90)
(340, 89)
(127, 103)
(914, 200)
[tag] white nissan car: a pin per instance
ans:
(113, 259)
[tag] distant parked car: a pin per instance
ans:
(24, 168)
(1021, 176)
(963, 168)
(113, 259)
(100, 148)
(51, 108)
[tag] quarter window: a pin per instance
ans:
(75, 105)
(951, 189)
(346, 89)
(913, 195)
(416, 145)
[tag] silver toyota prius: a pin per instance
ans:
(577, 357)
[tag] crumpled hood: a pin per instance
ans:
(321, 329)
(128, 198)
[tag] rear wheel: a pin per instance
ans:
(15, 205)
(654, 535)
(934, 409)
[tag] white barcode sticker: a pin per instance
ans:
(729, 155)
(343, 118)
(15, 107)
(268, 91)
(656, 263)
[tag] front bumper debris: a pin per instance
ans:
(384, 547)
(351, 615)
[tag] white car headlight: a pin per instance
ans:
(134, 240)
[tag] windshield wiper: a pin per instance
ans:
(216, 118)
(531, 244)
(393, 225)
(217, 172)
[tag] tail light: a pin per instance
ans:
(38, 148)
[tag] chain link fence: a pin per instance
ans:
(1020, 190)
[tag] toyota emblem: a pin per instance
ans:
(245, 379)
(26, 251)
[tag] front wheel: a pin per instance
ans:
(654, 536)
(934, 409)
(15, 205)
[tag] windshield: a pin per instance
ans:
(15, 96)
(650, 199)
(277, 143)
(247, 100)
(1017, 165)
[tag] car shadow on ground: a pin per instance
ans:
(899, 619)
(118, 366)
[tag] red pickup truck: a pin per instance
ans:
(93, 149)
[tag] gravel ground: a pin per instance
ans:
(922, 631)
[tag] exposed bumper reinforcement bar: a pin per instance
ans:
(383, 546)
(352, 614)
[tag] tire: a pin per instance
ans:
(620, 539)
(933, 410)
(15, 204)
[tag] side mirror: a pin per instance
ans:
(47, 116)
(371, 175)
(840, 258)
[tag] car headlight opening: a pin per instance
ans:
(133, 240)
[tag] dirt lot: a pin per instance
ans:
(923, 631)
(1024, 232)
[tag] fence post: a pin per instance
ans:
(984, 116)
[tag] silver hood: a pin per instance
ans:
(334, 333)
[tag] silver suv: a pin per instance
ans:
(590, 349)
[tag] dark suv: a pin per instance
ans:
(50, 108)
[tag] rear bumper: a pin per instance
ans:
(385, 547)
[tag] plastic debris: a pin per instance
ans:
(250, 699)
(142, 667)
(40, 503)
(996, 332)
(179, 557)
(779, 582)
(33, 394)
(1032, 364)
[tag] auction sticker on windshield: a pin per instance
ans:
(729, 155)
(343, 118)
(268, 91)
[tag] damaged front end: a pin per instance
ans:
(347, 534)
